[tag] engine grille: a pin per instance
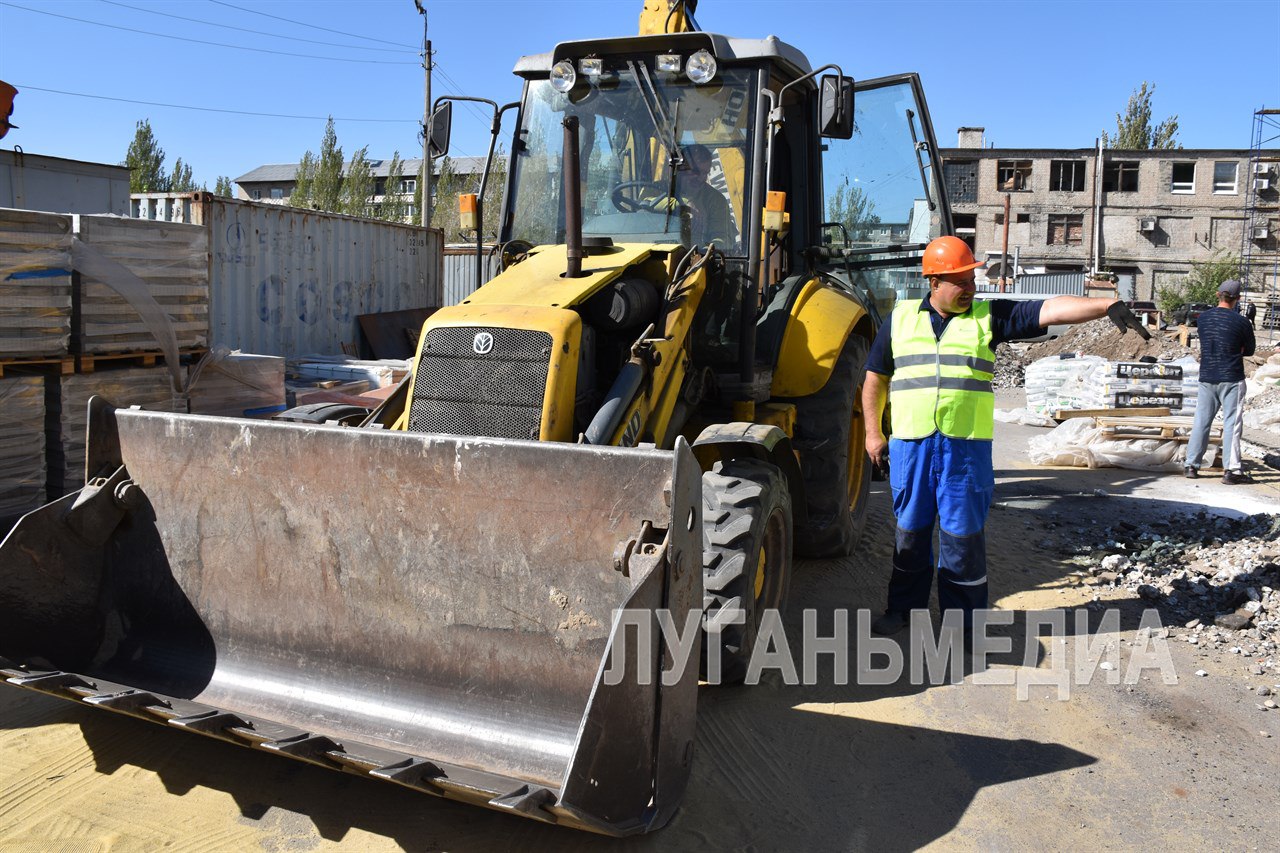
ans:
(496, 393)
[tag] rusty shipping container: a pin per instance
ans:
(287, 281)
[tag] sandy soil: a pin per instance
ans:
(777, 767)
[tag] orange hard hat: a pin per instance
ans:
(947, 255)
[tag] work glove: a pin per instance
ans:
(1125, 319)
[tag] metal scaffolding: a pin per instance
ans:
(1259, 258)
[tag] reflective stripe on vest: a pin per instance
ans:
(942, 384)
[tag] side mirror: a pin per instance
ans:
(438, 132)
(835, 107)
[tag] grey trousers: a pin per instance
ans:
(1229, 396)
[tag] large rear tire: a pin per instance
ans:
(746, 558)
(831, 440)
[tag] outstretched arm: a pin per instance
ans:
(1074, 309)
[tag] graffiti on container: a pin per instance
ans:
(343, 302)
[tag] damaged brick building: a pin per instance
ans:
(1159, 210)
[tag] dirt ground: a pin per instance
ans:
(777, 767)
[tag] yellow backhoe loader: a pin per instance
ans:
(501, 586)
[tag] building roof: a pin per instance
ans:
(379, 168)
(1112, 153)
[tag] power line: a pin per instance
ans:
(313, 26)
(199, 41)
(214, 109)
(245, 30)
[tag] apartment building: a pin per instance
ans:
(1145, 214)
(275, 183)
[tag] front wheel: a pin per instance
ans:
(746, 559)
(831, 440)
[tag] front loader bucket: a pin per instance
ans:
(435, 611)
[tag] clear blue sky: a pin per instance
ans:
(1034, 74)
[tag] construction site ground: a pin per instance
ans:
(1147, 765)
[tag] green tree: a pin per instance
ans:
(444, 210)
(223, 187)
(304, 179)
(1134, 130)
(852, 208)
(326, 184)
(449, 184)
(393, 206)
(180, 181)
(416, 219)
(357, 185)
(1200, 285)
(145, 159)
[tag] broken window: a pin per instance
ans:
(1013, 175)
(1224, 176)
(1066, 229)
(1066, 176)
(1120, 177)
(1017, 217)
(1184, 178)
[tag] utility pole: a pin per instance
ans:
(426, 118)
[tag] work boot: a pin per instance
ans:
(891, 622)
(1190, 473)
(1235, 478)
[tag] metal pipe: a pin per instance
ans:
(572, 199)
(1096, 262)
(755, 255)
(1004, 250)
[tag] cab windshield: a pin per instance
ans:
(662, 160)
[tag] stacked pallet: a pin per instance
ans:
(22, 445)
(172, 261)
(148, 387)
(35, 284)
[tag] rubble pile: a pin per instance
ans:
(1011, 366)
(1219, 577)
(1102, 338)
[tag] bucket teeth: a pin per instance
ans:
(413, 772)
(309, 747)
(128, 701)
(528, 801)
(53, 682)
(211, 722)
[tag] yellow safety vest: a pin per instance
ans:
(942, 383)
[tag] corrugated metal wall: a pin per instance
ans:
(1061, 284)
(285, 281)
(460, 271)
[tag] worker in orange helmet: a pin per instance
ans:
(933, 361)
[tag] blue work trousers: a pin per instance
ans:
(949, 480)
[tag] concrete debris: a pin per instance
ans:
(1201, 673)
(1217, 577)
(1102, 338)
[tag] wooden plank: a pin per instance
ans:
(66, 363)
(1150, 412)
(142, 358)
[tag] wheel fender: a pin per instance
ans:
(822, 318)
(740, 440)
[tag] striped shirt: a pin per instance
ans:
(1225, 338)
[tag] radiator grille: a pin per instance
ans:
(496, 393)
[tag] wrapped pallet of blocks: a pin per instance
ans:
(35, 284)
(235, 384)
(22, 444)
(1058, 382)
(148, 387)
(171, 259)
